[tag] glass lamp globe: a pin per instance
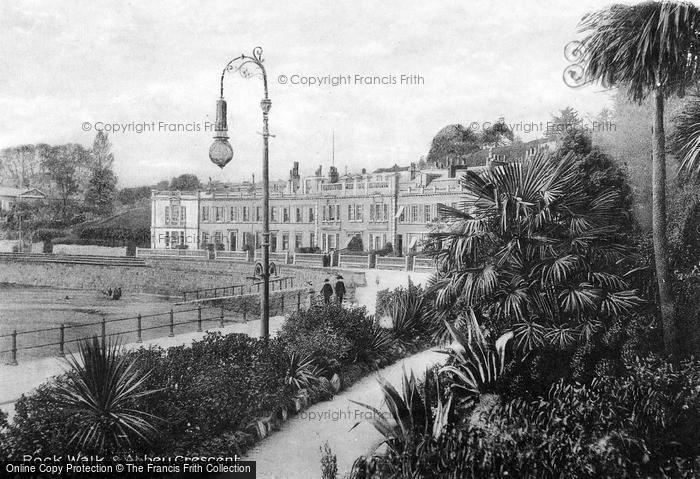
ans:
(220, 152)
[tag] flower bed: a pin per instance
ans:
(223, 393)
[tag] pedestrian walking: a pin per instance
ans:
(339, 288)
(327, 291)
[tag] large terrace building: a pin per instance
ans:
(397, 205)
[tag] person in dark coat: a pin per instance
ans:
(327, 291)
(339, 289)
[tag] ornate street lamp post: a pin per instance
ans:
(221, 153)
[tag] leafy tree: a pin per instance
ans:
(102, 156)
(531, 250)
(453, 141)
(162, 185)
(101, 191)
(60, 162)
(599, 171)
(497, 134)
(568, 119)
(129, 196)
(19, 166)
(187, 182)
(652, 48)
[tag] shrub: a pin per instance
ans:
(334, 335)
(329, 462)
(239, 377)
(387, 297)
(47, 234)
(643, 424)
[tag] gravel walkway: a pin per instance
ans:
(293, 451)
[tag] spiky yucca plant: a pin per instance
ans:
(415, 413)
(102, 388)
(303, 373)
(406, 313)
(474, 365)
(532, 251)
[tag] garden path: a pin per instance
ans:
(293, 452)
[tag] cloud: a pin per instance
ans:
(64, 63)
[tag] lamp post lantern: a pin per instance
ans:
(221, 154)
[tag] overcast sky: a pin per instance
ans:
(134, 63)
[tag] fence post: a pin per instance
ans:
(62, 340)
(13, 362)
(172, 323)
(138, 328)
(222, 316)
(245, 311)
(184, 297)
(104, 331)
(298, 300)
(199, 318)
(282, 300)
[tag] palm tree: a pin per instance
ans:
(686, 140)
(650, 48)
(532, 250)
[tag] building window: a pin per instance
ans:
(331, 213)
(414, 214)
(246, 212)
(312, 216)
(299, 215)
(312, 240)
(371, 212)
(273, 241)
(219, 213)
(385, 217)
(167, 239)
(234, 214)
(182, 214)
(167, 215)
(175, 215)
(285, 214)
(354, 212)
(258, 213)
(426, 213)
(285, 241)
(273, 214)
(297, 240)
(205, 213)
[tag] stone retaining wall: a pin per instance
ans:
(163, 276)
(90, 250)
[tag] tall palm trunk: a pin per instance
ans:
(658, 161)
